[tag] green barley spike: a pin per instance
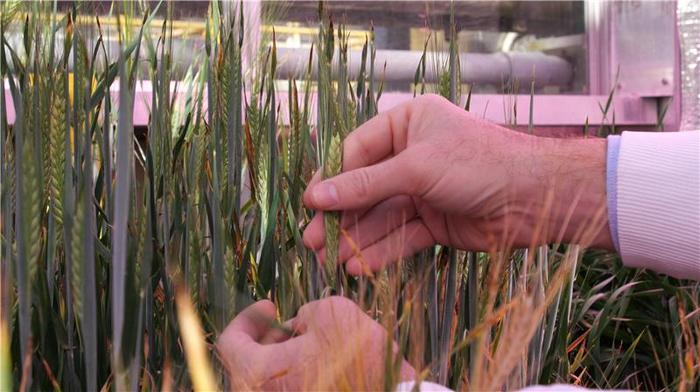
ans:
(140, 235)
(455, 85)
(261, 181)
(200, 144)
(343, 80)
(350, 117)
(341, 123)
(288, 139)
(237, 118)
(285, 150)
(79, 79)
(258, 119)
(360, 89)
(294, 128)
(332, 168)
(297, 146)
(194, 251)
(230, 274)
(45, 114)
(56, 148)
(31, 193)
(444, 85)
(224, 95)
(193, 166)
(76, 273)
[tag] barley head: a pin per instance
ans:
(331, 219)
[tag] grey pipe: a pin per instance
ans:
(477, 68)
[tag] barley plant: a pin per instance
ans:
(124, 254)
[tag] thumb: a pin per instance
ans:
(363, 187)
(252, 323)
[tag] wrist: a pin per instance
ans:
(566, 192)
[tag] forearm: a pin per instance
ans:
(567, 191)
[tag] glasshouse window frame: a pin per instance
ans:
(645, 75)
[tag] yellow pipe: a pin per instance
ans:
(193, 27)
(313, 31)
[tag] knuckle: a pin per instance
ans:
(305, 310)
(433, 99)
(340, 301)
(339, 306)
(355, 146)
(361, 183)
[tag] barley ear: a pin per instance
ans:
(31, 192)
(331, 219)
(76, 273)
(56, 148)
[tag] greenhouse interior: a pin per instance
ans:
(350, 195)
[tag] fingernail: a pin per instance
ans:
(325, 195)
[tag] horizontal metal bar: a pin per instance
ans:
(553, 110)
(549, 110)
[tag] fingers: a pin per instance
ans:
(240, 339)
(364, 187)
(252, 324)
(363, 226)
(279, 333)
(375, 225)
(315, 179)
(351, 215)
(380, 137)
(377, 139)
(407, 371)
(402, 242)
(314, 233)
(321, 315)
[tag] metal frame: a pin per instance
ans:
(638, 39)
(617, 36)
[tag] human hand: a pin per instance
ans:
(428, 172)
(334, 344)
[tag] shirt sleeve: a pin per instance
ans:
(653, 188)
(408, 386)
